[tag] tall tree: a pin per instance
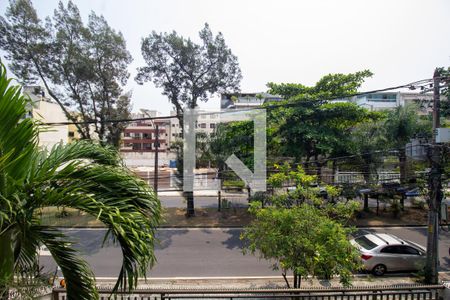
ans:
(188, 72)
(402, 124)
(83, 67)
(311, 127)
(81, 175)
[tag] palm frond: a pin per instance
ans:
(125, 204)
(18, 136)
(79, 278)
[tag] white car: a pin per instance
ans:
(383, 252)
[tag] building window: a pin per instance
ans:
(147, 146)
(71, 134)
(137, 146)
(202, 125)
(147, 135)
(212, 125)
(126, 134)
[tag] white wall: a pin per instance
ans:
(49, 112)
(146, 159)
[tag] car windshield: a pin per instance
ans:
(365, 243)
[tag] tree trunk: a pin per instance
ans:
(366, 202)
(297, 280)
(402, 162)
(334, 170)
(7, 247)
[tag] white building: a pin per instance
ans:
(390, 100)
(246, 100)
(45, 110)
(207, 122)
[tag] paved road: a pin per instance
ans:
(205, 253)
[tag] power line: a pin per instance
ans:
(272, 106)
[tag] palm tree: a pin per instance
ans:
(401, 125)
(81, 175)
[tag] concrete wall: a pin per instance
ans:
(146, 159)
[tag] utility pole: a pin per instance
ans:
(155, 179)
(435, 191)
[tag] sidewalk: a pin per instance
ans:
(360, 280)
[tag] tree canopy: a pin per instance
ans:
(186, 71)
(83, 66)
(301, 232)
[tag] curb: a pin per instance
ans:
(240, 227)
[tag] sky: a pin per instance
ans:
(294, 41)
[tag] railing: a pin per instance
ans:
(401, 292)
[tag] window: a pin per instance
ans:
(127, 134)
(400, 249)
(147, 146)
(212, 125)
(147, 135)
(365, 243)
(71, 134)
(202, 125)
(137, 146)
(409, 250)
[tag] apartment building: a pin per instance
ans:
(44, 109)
(390, 100)
(140, 135)
(207, 122)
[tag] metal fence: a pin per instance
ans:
(402, 292)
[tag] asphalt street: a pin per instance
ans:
(195, 252)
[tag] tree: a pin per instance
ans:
(82, 67)
(81, 175)
(186, 71)
(305, 125)
(369, 141)
(301, 232)
(309, 126)
(402, 124)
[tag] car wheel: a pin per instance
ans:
(379, 270)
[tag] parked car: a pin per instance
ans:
(381, 253)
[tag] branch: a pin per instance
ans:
(54, 96)
(285, 279)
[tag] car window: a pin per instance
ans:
(400, 250)
(390, 249)
(365, 243)
(408, 250)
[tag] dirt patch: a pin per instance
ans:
(411, 216)
(207, 217)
